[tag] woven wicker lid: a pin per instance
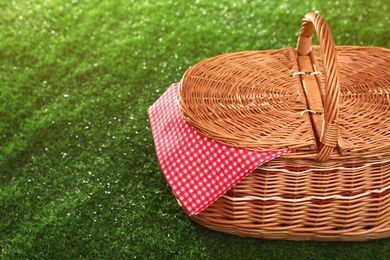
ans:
(314, 100)
(242, 99)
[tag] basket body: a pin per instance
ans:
(294, 199)
(334, 112)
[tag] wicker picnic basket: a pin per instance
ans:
(331, 106)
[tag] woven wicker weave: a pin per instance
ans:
(331, 105)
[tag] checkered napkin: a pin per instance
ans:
(198, 169)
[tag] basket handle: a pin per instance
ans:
(330, 127)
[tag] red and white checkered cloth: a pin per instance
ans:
(199, 170)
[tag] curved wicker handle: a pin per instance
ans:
(330, 128)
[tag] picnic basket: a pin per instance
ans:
(330, 106)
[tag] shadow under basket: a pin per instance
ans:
(331, 106)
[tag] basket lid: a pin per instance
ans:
(279, 99)
(248, 99)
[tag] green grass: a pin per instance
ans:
(79, 178)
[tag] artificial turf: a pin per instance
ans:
(79, 178)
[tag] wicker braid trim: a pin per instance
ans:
(359, 194)
(345, 170)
